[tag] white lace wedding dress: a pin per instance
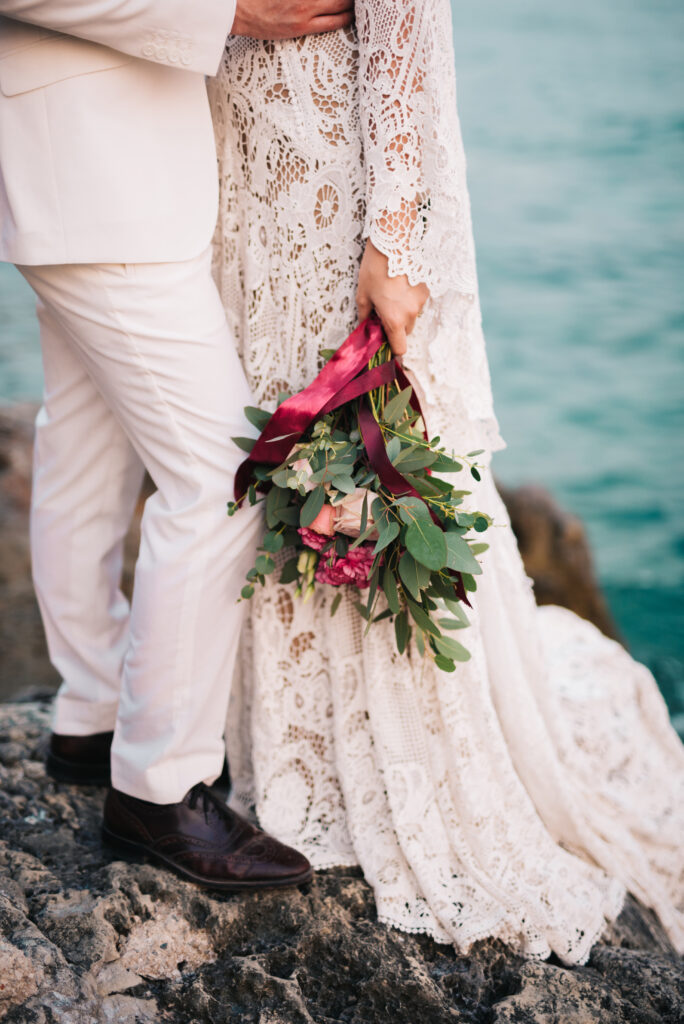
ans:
(521, 795)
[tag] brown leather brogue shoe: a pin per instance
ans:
(202, 839)
(80, 759)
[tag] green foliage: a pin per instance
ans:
(459, 555)
(401, 631)
(426, 542)
(413, 575)
(312, 506)
(418, 542)
(396, 407)
(257, 417)
(245, 443)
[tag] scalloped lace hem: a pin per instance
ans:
(534, 948)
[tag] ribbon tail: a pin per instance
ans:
(378, 458)
(291, 419)
(461, 592)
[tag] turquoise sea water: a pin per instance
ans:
(573, 119)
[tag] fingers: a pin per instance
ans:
(329, 22)
(333, 7)
(363, 306)
(410, 323)
(396, 335)
(331, 15)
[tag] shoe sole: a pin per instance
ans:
(76, 774)
(139, 849)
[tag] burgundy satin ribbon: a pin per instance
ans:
(291, 419)
(340, 381)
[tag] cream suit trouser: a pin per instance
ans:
(140, 370)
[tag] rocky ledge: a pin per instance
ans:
(86, 939)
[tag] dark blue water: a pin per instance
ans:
(573, 118)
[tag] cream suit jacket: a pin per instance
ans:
(106, 145)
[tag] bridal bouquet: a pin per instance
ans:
(348, 477)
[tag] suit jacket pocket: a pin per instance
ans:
(53, 59)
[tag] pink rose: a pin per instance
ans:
(324, 522)
(348, 513)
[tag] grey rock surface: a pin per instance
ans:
(87, 938)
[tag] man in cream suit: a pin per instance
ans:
(108, 199)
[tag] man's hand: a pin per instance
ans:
(285, 19)
(396, 302)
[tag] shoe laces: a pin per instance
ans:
(238, 830)
(209, 800)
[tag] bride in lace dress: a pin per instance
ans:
(522, 795)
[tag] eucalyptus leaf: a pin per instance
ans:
(420, 642)
(264, 565)
(413, 575)
(280, 478)
(416, 458)
(429, 486)
(372, 591)
(272, 541)
(289, 515)
(257, 417)
(451, 648)
(387, 532)
(389, 585)
(479, 549)
(344, 484)
(444, 464)
(427, 543)
(446, 664)
(272, 518)
(362, 537)
(452, 624)
(336, 604)
(245, 443)
(401, 631)
(411, 508)
(364, 514)
(312, 506)
(341, 545)
(459, 555)
(422, 619)
(383, 615)
(393, 448)
(457, 610)
(395, 408)
(361, 610)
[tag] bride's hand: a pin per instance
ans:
(396, 302)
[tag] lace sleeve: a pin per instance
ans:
(418, 211)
